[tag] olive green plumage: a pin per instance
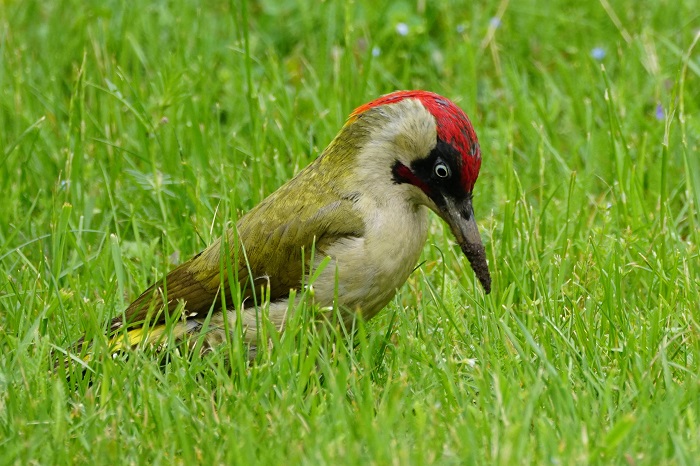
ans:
(315, 208)
(362, 205)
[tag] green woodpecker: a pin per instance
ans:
(363, 203)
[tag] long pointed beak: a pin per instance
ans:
(459, 215)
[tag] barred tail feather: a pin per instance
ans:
(152, 336)
(135, 337)
(156, 337)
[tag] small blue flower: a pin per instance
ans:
(402, 29)
(598, 53)
(495, 22)
(659, 113)
(376, 51)
(461, 28)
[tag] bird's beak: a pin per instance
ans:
(459, 215)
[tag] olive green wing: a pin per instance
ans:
(277, 237)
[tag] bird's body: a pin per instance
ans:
(360, 210)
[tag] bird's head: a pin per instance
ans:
(431, 148)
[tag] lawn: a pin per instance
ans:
(132, 134)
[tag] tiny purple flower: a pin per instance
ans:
(402, 29)
(659, 113)
(495, 22)
(598, 53)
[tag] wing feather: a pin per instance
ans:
(277, 237)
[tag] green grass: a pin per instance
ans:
(131, 135)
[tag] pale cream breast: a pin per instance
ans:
(371, 269)
(365, 272)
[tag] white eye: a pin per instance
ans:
(441, 170)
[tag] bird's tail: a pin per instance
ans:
(157, 338)
(140, 336)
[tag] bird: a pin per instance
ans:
(359, 211)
